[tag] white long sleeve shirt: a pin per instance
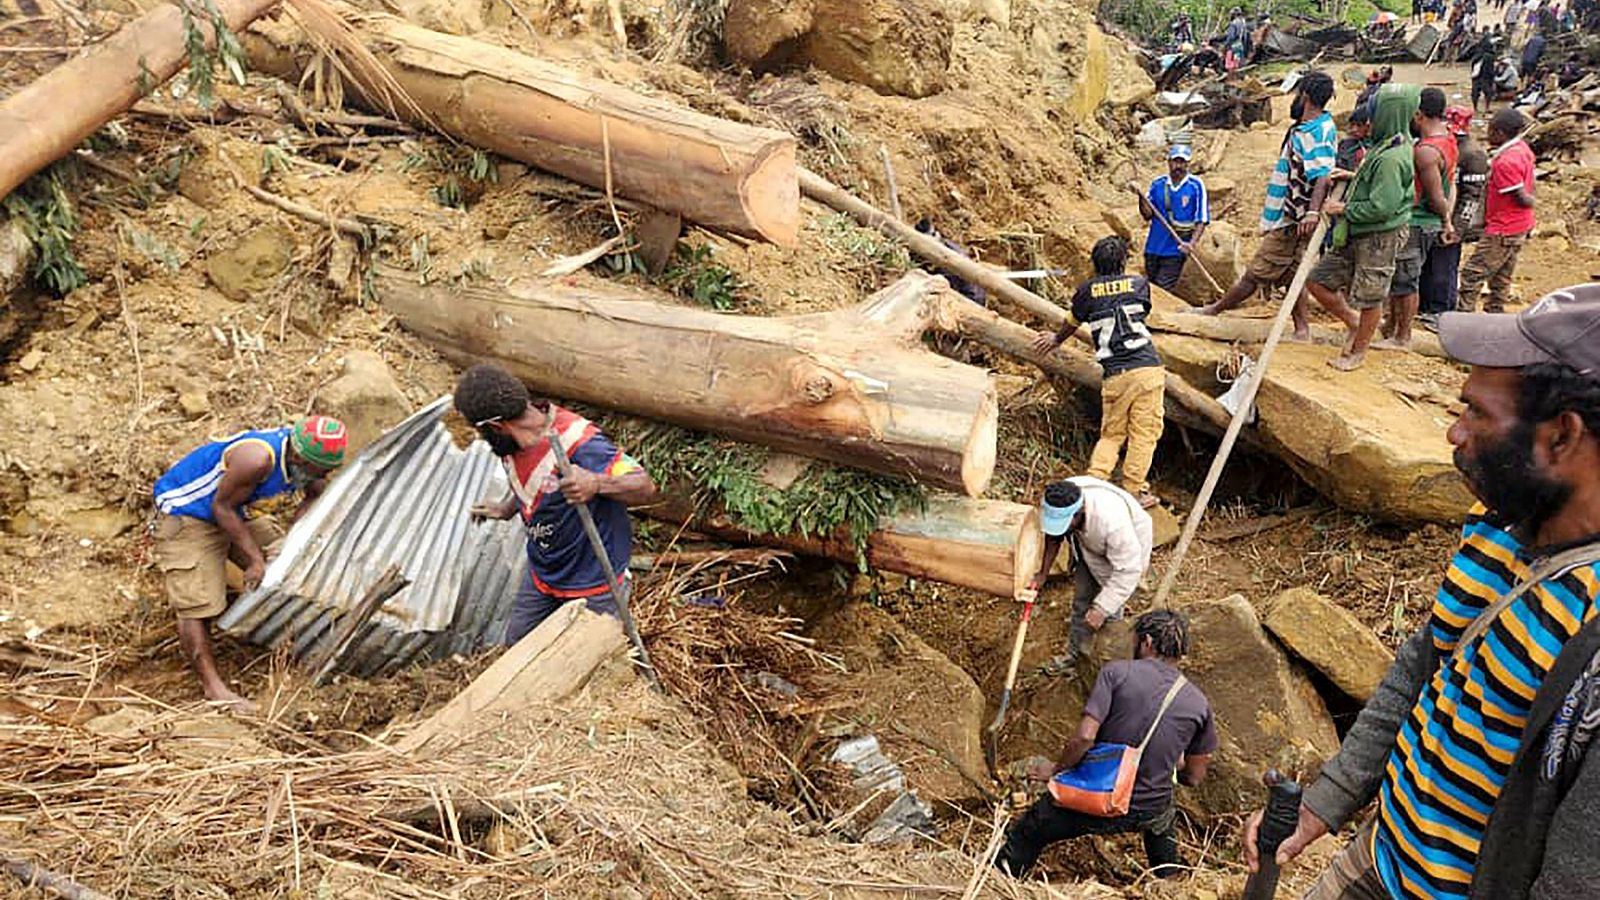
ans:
(1116, 538)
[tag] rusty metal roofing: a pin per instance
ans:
(403, 501)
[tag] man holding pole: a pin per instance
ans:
(1176, 199)
(1295, 195)
(562, 564)
(1476, 744)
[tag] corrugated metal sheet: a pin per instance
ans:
(403, 501)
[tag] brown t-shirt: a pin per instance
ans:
(1125, 699)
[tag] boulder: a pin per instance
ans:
(925, 709)
(365, 397)
(892, 46)
(1109, 75)
(250, 268)
(757, 33)
(1166, 526)
(1267, 711)
(1330, 640)
(1218, 251)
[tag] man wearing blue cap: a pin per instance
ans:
(1111, 537)
(1180, 199)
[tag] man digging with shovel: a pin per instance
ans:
(562, 564)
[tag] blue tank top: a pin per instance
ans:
(188, 488)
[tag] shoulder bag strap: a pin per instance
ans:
(1549, 567)
(1166, 703)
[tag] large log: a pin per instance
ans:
(43, 122)
(855, 386)
(1247, 330)
(722, 174)
(987, 545)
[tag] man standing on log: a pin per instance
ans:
(1373, 227)
(1111, 537)
(1476, 744)
(561, 563)
(1115, 305)
(1181, 200)
(202, 523)
(1129, 704)
(1295, 196)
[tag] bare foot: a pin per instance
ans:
(227, 700)
(1347, 362)
(1299, 336)
(1148, 500)
(1391, 343)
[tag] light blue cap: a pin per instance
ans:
(1055, 520)
(1180, 151)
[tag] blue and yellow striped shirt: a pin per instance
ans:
(1453, 751)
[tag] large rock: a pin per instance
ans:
(759, 33)
(249, 269)
(1330, 640)
(892, 46)
(1109, 75)
(1268, 713)
(364, 397)
(1372, 441)
(1218, 251)
(910, 689)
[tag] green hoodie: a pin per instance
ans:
(1384, 187)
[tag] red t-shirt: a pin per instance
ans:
(1510, 170)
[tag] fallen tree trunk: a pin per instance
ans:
(721, 174)
(929, 248)
(550, 663)
(43, 122)
(855, 386)
(1241, 330)
(987, 545)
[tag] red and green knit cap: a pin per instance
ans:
(320, 440)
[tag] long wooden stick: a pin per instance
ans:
(1258, 373)
(1174, 232)
(824, 191)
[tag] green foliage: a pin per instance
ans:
(203, 60)
(152, 247)
(726, 476)
(461, 168)
(696, 275)
(1152, 19)
(870, 256)
(42, 206)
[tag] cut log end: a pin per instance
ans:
(770, 195)
(1029, 553)
(977, 463)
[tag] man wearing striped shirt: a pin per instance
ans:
(1295, 193)
(202, 522)
(1475, 745)
(1179, 199)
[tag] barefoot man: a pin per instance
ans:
(202, 523)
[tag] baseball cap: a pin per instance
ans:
(1180, 151)
(1458, 119)
(1562, 327)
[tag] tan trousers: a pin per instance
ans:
(1352, 875)
(1132, 412)
(1494, 260)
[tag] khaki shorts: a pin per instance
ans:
(1363, 267)
(192, 556)
(1278, 256)
(1420, 241)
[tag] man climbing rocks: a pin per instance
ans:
(202, 522)
(1373, 227)
(1508, 215)
(1295, 197)
(1181, 199)
(1110, 536)
(561, 562)
(1125, 706)
(1433, 159)
(1476, 743)
(1114, 305)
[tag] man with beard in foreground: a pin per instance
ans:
(1476, 744)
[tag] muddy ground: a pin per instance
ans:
(207, 312)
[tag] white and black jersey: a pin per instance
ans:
(1114, 307)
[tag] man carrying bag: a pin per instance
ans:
(1143, 721)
